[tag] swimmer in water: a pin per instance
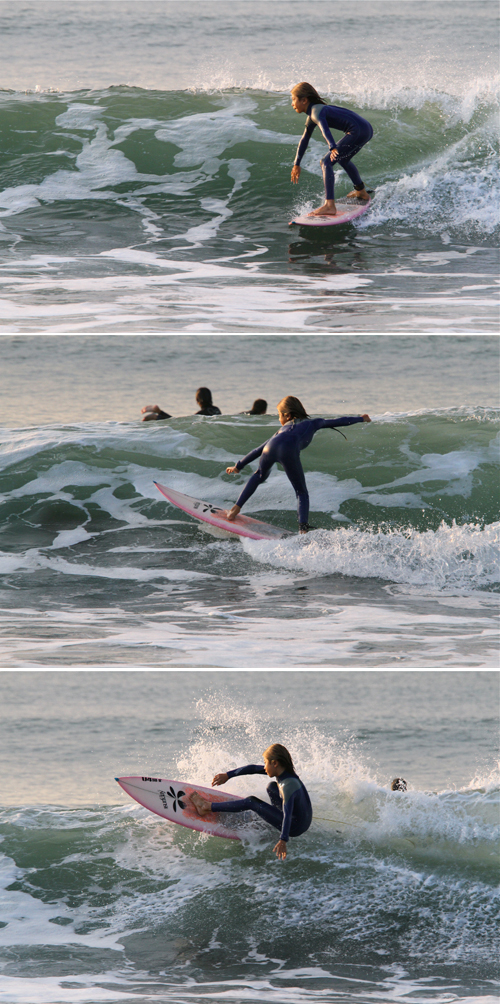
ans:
(290, 809)
(357, 131)
(284, 447)
(153, 413)
(259, 407)
(204, 400)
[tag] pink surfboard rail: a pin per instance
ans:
(346, 211)
(242, 526)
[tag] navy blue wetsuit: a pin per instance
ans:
(290, 811)
(284, 447)
(357, 132)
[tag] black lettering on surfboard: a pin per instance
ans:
(175, 796)
(206, 507)
(158, 779)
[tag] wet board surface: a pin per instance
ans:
(242, 526)
(171, 800)
(347, 210)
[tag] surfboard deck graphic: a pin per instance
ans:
(347, 209)
(242, 526)
(171, 800)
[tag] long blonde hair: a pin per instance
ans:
(305, 90)
(292, 406)
(280, 753)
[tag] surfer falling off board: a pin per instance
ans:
(290, 809)
(297, 431)
(357, 131)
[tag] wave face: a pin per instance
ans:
(405, 515)
(151, 189)
(388, 894)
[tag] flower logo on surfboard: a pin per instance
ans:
(175, 796)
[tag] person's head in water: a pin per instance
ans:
(303, 95)
(259, 407)
(276, 753)
(204, 397)
(290, 408)
(399, 784)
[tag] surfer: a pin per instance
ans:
(357, 131)
(259, 407)
(284, 447)
(153, 413)
(290, 810)
(399, 784)
(206, 405)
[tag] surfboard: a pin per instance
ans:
(242, 526)
(347, 210)
(171, 800)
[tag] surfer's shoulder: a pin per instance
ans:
(315, 112)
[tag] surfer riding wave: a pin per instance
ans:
(357, 131)
(290, 809)
(284, 447)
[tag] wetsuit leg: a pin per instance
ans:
(270, 813)
(348, 147)
(292, 466)
(258, 478)
(295, 474)
(328, 176)
(274, 794)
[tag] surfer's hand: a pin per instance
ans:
(232, 470)
(334, 154)
(295, 174)
(280, 849)
(219, 779)
(366, 418)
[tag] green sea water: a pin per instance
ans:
(146, 156)
(401, 567)
(389, 895)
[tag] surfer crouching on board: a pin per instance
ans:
(290, 810)
(284, 447)
(357, 131)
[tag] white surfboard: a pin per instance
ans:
(347, 209)
(171, 800)
(242, 526)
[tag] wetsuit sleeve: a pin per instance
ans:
(334, 423)
(251, 768)
(323, 124)
(287, 815)
(304, 140)
(250, 456)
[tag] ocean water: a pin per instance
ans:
(401, 567)
(389, 897)
(146, 156)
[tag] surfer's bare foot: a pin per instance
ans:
(362, 194)
(232, 513)
(327, 209)
(201, 805)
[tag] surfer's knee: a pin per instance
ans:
(273, 793)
